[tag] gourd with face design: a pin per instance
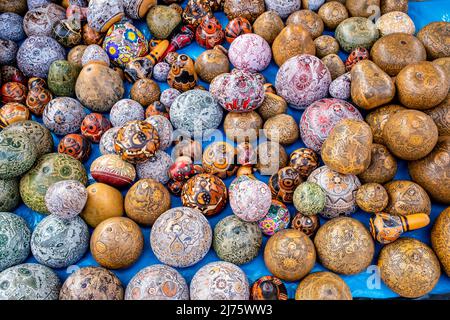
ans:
(209, 33)
(137, 141)
(182, 75)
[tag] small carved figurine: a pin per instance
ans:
(386, 228)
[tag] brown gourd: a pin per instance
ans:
(395, 51)
(371, 87)
(292, 40)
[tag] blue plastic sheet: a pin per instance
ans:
(364, 285)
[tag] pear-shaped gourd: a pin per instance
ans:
(268, 25)
(440, 238)
(292, 40)
(99, 87)
(371, 87)
(162, 21)
(212, 63)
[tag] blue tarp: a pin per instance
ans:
(364, 285)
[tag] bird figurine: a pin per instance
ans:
(386, 228)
